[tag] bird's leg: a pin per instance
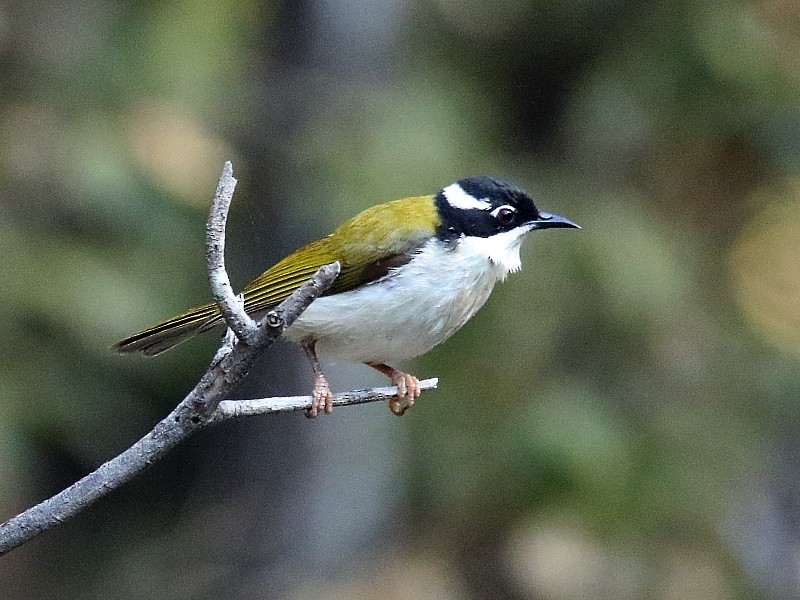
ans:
(321, 394)
(408, 388)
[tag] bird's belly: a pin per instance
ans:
(399, 317)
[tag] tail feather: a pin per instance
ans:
(162, 337)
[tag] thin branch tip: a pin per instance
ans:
(231, 308)
(227, 172)
(226, 183)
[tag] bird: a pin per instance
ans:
(413, 272)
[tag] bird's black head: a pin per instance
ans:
(484, 206)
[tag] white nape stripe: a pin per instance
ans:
(458, 198)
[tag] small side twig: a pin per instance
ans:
(204, 405)
(229, 305)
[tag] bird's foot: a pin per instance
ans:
(408, 390)
(322, 398)
(407, 385)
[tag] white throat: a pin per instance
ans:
(501, 249)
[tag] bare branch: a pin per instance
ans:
(194, 413)
(204, 405)
(230, 409)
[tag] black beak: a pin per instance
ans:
(547, 221)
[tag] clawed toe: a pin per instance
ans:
(322, 398)
(408, 390)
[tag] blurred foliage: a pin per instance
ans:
(620, 420)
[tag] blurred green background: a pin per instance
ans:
(620, 421)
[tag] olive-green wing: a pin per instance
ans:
(278, 283)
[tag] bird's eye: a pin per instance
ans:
(505, 214)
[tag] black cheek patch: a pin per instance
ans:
(457, 221)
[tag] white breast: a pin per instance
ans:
(418, 306)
